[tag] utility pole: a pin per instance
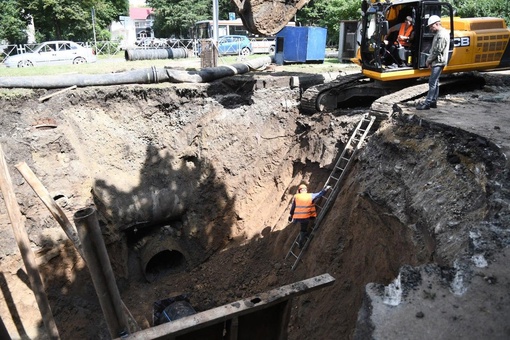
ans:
(215, 21)
(94, 27)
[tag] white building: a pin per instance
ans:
(133, 27)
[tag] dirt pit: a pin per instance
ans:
(193, 184)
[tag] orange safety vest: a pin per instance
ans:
(405, 32)
(304, 206)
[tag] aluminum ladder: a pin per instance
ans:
(339, 170)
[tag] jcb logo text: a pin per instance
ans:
(461, 41)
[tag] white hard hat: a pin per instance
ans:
(433, 19)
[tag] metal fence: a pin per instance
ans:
(105, 47)
(102, 48)
(109, 48)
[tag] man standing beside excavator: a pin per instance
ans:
(303, 211)
(436, 61)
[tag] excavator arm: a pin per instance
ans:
(267, 17)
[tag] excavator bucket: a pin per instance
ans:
(267, 17)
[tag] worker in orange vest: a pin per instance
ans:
(406, 32)
(404, 39)
(303, 211)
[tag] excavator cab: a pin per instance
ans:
(380, 55)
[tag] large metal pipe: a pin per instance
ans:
(101, 271)
(144, 76)
(155, 53)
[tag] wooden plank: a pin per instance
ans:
(56, 93)
(213, 316)
(28, 256)
(64, 222)
(50, 203)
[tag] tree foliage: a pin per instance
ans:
(176, 17)
(13, 22)
(329, 13)
(63, 19)
(485, 8)
(72, 19)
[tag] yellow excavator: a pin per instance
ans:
(477, 44)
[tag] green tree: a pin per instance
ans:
(486, 8)
(13, 23)
(177, 17)
(329, 13)
(72, 19)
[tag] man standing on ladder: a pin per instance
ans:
(303, 210)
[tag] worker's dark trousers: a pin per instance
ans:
(305, 226)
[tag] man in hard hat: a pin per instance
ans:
(436, 61)
(303, 211)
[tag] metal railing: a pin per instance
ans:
(108, 48)
(102, 48)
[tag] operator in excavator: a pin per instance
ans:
(303, 211)
(404, 40)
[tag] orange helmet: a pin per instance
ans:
(302, 186)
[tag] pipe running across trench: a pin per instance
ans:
(152, 75)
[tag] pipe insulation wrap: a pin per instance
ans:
(142, 76)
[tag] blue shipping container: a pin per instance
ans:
(300, 45)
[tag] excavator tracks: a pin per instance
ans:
(312, 97)
(327, 96)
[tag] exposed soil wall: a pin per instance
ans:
(209, 170)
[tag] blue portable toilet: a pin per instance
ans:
(300, 45)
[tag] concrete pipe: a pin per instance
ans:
(162, 255)
(155, 53)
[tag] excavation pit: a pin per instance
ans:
(423, 192)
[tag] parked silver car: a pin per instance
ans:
(53, 53)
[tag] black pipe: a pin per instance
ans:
(155, 53)
(144, 76)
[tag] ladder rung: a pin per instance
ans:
(357, 136)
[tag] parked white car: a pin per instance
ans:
(53, 53)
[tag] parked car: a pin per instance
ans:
(234, 44)
(53, 53)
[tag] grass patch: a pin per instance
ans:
(11, 94)
(117, 63)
